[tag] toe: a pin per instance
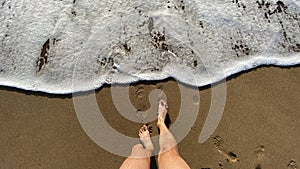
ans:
(162, 102)
(143, 129)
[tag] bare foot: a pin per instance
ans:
(145, 139)
(162, 112)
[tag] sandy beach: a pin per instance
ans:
(259, 128)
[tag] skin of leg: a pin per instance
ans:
(169, 157)
(140, 154)
(134, 161)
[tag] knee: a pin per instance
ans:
(138, 151)
(137, 148)
(167, 147)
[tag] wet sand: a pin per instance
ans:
(259, 128)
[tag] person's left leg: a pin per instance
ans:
(140, 154)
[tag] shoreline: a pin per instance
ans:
(145, 82)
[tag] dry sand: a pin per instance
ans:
(260, 126)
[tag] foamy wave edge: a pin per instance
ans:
(219, 75)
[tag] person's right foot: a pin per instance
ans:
(144, 135)
(162, 112)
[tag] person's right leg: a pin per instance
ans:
(140, 154)
(168, 157)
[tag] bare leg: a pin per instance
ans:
(140, 156)
(168, 157)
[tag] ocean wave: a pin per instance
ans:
(69, 46)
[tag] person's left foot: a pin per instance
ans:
(144, 135)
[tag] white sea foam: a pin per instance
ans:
(68, 46)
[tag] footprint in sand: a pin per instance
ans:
(258, 166)
(292, 165)
(139, 93)
(229, 155)
(141, 114)
(160, 87)
(260, 154)
(196, 99)
(221, 165)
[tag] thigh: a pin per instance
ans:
(133, 162)
(171, 160)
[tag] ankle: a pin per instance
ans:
(163, 128)
(160, 122)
